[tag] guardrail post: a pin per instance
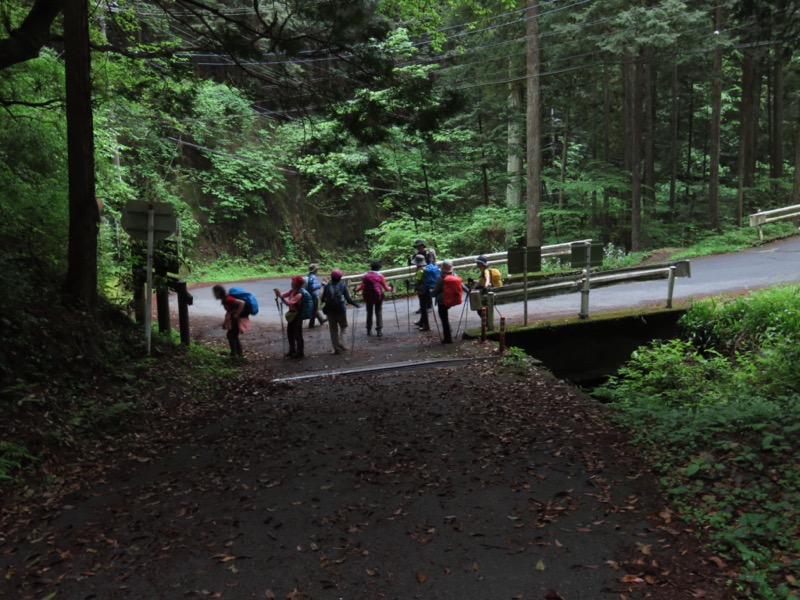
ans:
(671, 285)
(483, 324)
(760, 233)
(502, 336)
(525, 286)
(584, 314)
(490, 311)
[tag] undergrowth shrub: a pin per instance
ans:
(718, 414)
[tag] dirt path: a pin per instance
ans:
(467, 482)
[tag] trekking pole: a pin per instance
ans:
(463, 308)
(435, 320)
(408, 306)
(394, 303)
(280, 316)
(355, 323)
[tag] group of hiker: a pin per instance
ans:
(433, 283)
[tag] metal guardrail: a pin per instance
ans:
(583, 282)
(759, 219)
(495, 258)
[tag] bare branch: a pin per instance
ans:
(25, 42)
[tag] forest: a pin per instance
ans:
(284, 132)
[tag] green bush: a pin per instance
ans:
(718, 414)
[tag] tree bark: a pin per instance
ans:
(81, 279)
(534, 124)
(777, 114)
(514, 141)
(673, 155)
(633, 76)
(746, 118)
(716, 131)
(650, 133)
(796, 187)
(25, 42)
(606, 150)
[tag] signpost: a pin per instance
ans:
(151, 221)
(586, 255)
(524, 260)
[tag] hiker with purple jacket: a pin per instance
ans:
(372, 286)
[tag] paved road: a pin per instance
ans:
(772, 264)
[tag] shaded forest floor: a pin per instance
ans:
(490, 480)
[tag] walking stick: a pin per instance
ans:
(394, 303)
(283, 331)
(463, 308)
(355, 322)
(435, 320)
(408, 306)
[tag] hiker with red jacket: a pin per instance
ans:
(448, 293)
(372, 286)
(234, 322)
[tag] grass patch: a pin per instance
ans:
(734, 240)
(717, 412)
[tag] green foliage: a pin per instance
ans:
(734, 240)
(718, 412)
(13, 458)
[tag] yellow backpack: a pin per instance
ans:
(496, 277)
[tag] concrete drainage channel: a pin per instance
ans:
(389, 367)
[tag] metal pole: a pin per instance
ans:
(436, 321)
(394, 303)
(502, 335)
(148, 308)
(490, 311)
(525, 284)
(483, 324)
(584, 314)
(671, 285)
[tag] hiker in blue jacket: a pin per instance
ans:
(313, 286)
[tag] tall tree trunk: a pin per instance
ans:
(690, 143)
(606, 150)
(777, 115)
(484, 164)
(716, 124)
(81, 279)
(673, 154)
(796, 187)
(514, 140)
(633, 77)
(534, 125)
(747, 123)
(564, 154)
(650, 133)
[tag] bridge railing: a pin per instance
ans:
(583, 282)
(495, 258)
(759, 219)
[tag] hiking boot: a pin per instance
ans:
(297, 356)
(323, 321)
(369, 332)
(424, 328)
(379, 333)
(419, 312)
(418, 323)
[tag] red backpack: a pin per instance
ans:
(451, 291)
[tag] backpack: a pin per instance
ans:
(451, 291)
(306, 305)
(334, 298)
(372, 288)
(429, 277)
(496, 276)
(250, 302)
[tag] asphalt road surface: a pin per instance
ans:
(773, 264)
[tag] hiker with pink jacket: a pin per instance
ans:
(372, 286)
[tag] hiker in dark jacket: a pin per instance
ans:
(335, 298)
(420, 249)
(293, 299)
